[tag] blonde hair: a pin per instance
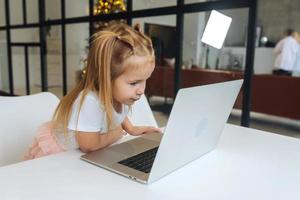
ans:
(109, 48)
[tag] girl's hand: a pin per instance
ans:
(139, 130)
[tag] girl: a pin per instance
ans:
(93, 115)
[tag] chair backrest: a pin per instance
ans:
(141, 113)
(20, 118)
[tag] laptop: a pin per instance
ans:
(195, 124)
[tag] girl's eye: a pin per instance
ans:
(133, 83)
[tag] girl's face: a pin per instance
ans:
(130, 85)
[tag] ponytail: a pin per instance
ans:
(104, 48)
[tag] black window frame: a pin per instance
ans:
(179, 10)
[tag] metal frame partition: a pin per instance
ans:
(179, 10)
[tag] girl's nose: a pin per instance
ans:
(141, 89)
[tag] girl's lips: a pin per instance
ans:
(135, 99)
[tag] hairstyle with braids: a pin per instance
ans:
(108, 50)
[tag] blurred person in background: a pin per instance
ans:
(296, 70)
(286, 51)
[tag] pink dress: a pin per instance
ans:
(45, 143)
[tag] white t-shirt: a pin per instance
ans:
(297, 62)
(286, 51)
(91, 118)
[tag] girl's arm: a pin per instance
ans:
(137, 130)
(92, 141)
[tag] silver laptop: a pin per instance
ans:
(194, 127)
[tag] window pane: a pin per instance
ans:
(53, 9)
(32, 8)
(16, 12)
(25, 35)
(18, 63)
(275, 98)
(140, 5)
(77, 45)
(203, 64)
(4, 82)
(77, 8)
(230, 57)
(54, 62)
(2, 13)
(19, 73)
(34, 70)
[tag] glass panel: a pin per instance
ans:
(233, 54)
(275, 98)
(32, 8)
(18, 63)
(77, 8)
(230, 57)
(16, 12)
(2, 13)
(146, 4)
(54, 62)
(19, 74)
(25, 35)
(53, 8)
(34, 69)
(203, 64)
(160, 86)
(4, 82)
(77, 45)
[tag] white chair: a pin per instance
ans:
(141, 113)
(19, 118)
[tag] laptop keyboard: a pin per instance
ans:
(141, 162)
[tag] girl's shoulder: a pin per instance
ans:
(92, 95)
(90, 99)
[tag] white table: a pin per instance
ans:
(247, 164)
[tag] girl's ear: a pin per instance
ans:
(137, 27)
